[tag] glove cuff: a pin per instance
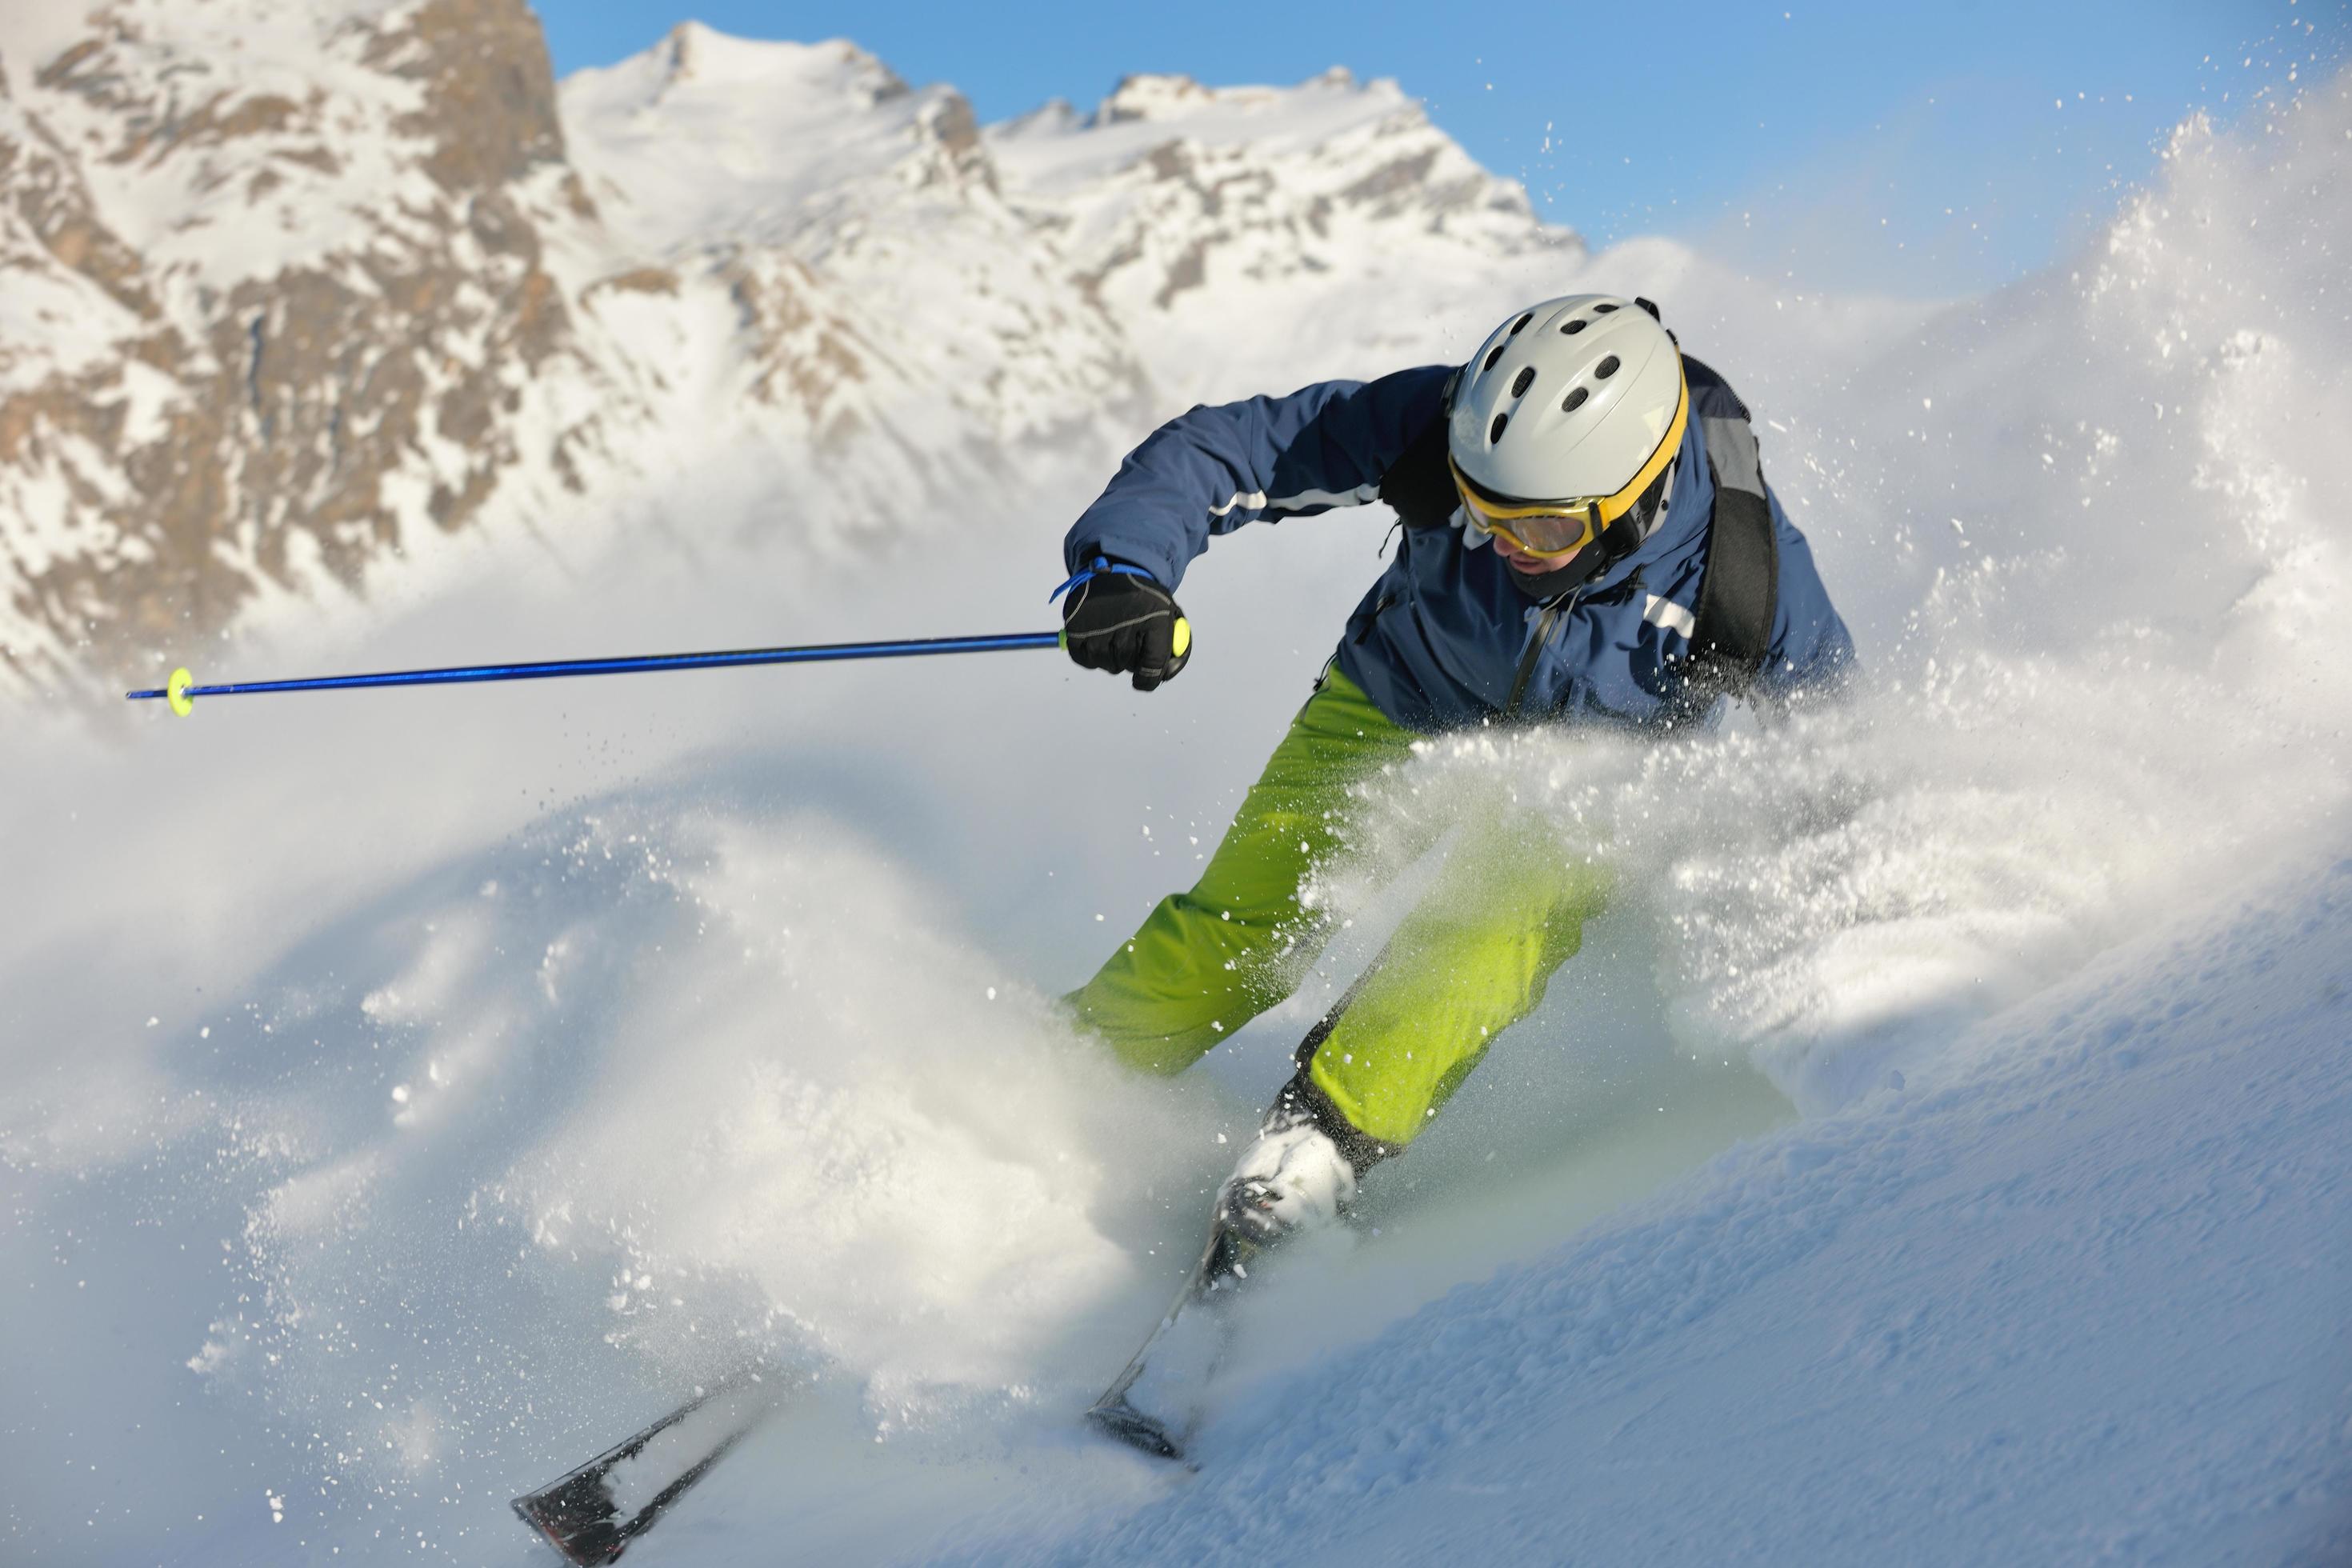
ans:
(1103, 566)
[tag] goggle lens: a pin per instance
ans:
(1537, 531)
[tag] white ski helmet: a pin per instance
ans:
(1567, 417)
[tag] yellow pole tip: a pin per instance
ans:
(176, 692)
(1183, 639)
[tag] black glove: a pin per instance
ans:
(1117, 619)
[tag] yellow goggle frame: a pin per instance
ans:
(1588, 514)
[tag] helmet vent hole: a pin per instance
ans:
(1576, 326)
(1494, 431)
(1602, 309)
(1493, 357)
(1605, 369)
(1574, 400)
(1521, 323)
(1526, 379)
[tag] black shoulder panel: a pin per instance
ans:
(1418, 484)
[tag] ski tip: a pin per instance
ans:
(1119, 1419)
(585, 1539)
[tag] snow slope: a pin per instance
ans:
(2077, 1297)
(406, 1096)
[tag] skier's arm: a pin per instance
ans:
(1813, 652)
(1213, 469)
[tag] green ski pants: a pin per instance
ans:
(1472, 958)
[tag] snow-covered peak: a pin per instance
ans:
(701, 63)
(1148, 111)
(1054, 117)
(706, 137)
(1152, 97)
(1327, 213)
(1177, 100)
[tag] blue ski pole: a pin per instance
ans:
(182, 690)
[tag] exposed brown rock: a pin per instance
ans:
(1392, 178)
(55, 203)
(639, 280)
(1189, 270)
(808, 357)
(489, 92)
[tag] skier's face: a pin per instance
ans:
(1527, 561)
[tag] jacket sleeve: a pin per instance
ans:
(1213, 469)
(1811, 649)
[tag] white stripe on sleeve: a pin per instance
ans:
(1255, 500)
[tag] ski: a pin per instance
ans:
(1156, 1403)
(592, 1514)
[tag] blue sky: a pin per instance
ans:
(1919, 147)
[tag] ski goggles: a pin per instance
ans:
(1557, 530)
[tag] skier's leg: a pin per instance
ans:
(1208, 961)
(1471, 960)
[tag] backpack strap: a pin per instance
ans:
(1740, 588)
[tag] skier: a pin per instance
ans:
(1587, 539)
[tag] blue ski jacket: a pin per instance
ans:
(1444, 639)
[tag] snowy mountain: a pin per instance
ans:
(305, 291)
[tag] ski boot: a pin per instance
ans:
(1292, 1178)
(1295, 1177)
